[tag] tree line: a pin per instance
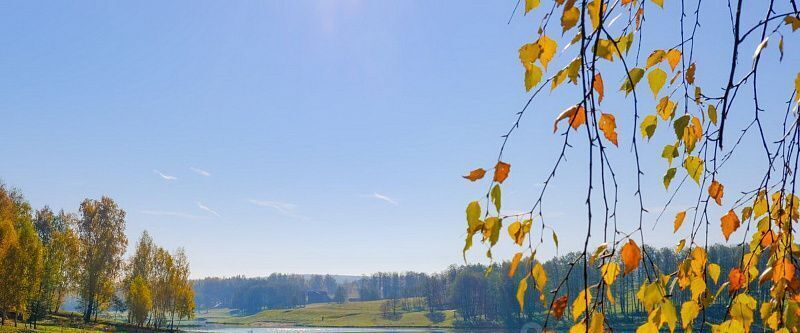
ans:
(482, 296)
(277, 291)
(46, 256)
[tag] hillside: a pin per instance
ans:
(355, 314)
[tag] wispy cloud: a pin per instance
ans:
(385, 198)
(282, 207)
(205, 208)
(201, 172)
(165, 177)
(172, 214)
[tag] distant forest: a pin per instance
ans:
(479, 298)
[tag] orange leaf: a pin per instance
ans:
(767, 238)
(730, 222)
(501, 171)
(716, 191)
(514, 264)
(558, 307)
(673, 58)
(576, 115)
(609, 127)
(475, 174)
(598, 87)
(737, 279)
(631, 256)
(783, 269)
(679, 220)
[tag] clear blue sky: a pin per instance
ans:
(303, 136)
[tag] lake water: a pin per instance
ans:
(240, 329)
(243, 329)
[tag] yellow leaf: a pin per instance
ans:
(660, 3)
(656, 78)
(496, 195)
(533, 75)
(610, 271)
(679, 220)
(595, 12)
(692, 133)
(610, 296)
(669, 176)
(669, 152)
(712, 113)
(608, 125)
(598, 87)
(501, 171)
(548, 50)
(578, 328)
(680, 246)
(673, 58)
(797, 87)
(647, 327)
(624, 43)
(698, 287)
(713, 272)
(654, 58)
(695, 167)
(570, 18)
(529, 53)
(474, 216)
(605, 49)
(596, 324)
(597, 252)
(760, 204)
(742, 309)
(716, 191)
(531, 4)
(539, 276)
(650, 295)
(491, 230)
(728, 326)
(630, 81)
(730, 222)
(648, 126)
(523, 286)
(668, 314)
(555, 240)
(631, 256)
(514, 264)
(665, 107)
(579, 305)
(518, 230)
(689, 311)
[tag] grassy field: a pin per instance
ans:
(355, 314)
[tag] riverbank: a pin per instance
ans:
(355, 314)
(72, 323)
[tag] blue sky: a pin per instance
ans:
(306, 136)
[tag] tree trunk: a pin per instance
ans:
(87, 313)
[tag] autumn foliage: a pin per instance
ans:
(600, 43)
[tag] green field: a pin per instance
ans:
(355, 314)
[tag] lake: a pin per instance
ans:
(243, 329)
